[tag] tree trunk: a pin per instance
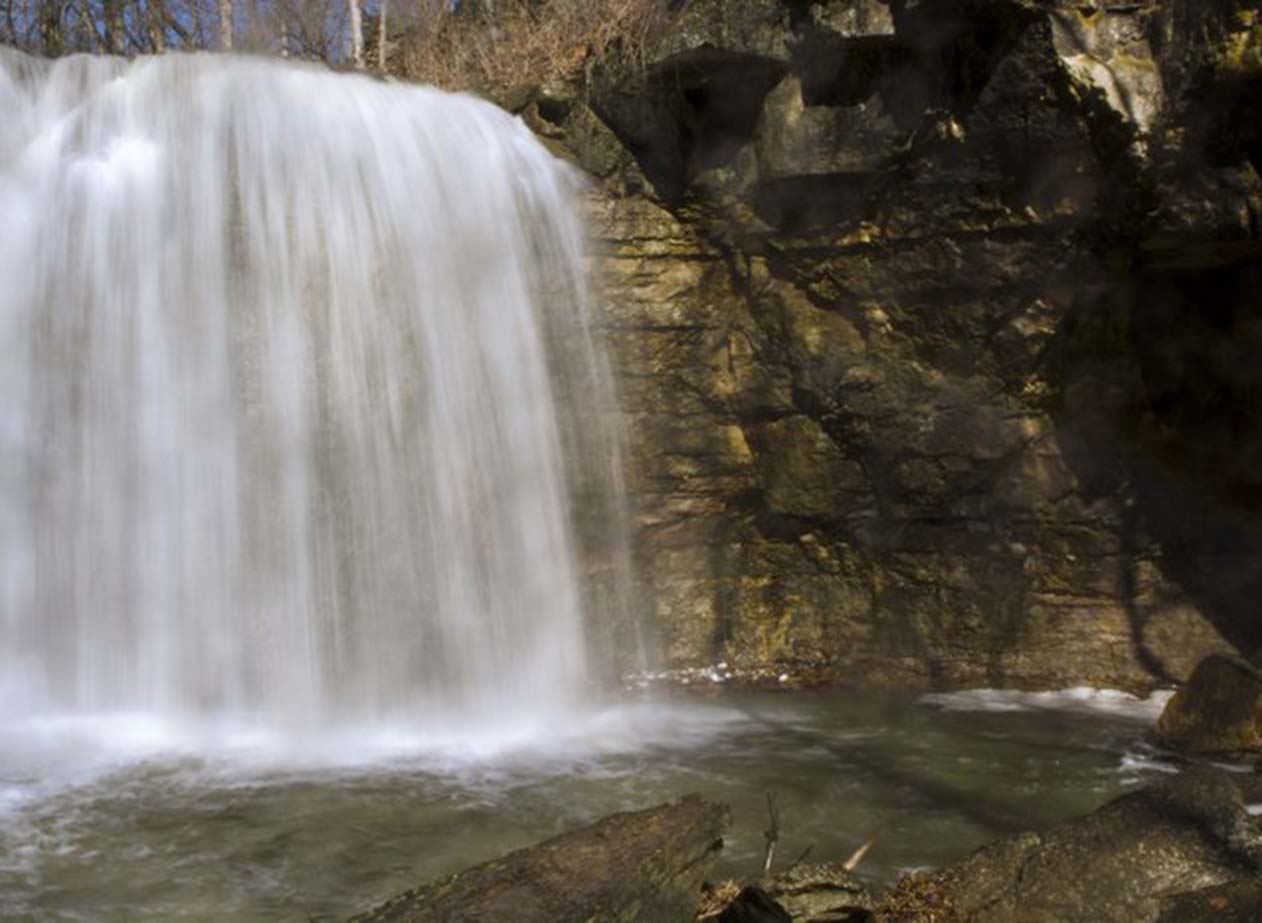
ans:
(115, 38)
(50, 35)
(381, 36)
(201, 38)
(357, 33)
(157, 26)
(643, 866)
(225, 25)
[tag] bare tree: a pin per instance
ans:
(157, 25)
(449, 43)
(381, 35)
(115, 35)
(356, 33)
(225, 25)
(51, 38)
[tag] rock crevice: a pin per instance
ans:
(933, 324)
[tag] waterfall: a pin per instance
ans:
(296, 383)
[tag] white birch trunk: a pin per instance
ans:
(381, 36)
(357, 34)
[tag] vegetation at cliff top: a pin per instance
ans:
(457, 44)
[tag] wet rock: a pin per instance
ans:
(640, 866)
(821, 893)
(1178, 844)
(1218, 711)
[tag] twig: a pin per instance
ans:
(853, 862)
(772, 834)
(800, 859)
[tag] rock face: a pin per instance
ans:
(641, 866)
(935, 323)
(1184, 846)
(1218, 711)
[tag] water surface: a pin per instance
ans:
(129, 820)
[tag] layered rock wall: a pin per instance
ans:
(935, 328)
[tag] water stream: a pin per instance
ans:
(146, 828)
(292, 380)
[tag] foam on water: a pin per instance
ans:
(73, 749)
(1084, 699)
(1144, 759)
(264, 828)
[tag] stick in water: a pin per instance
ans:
(853, 862)
(772, 834)
(802, 858)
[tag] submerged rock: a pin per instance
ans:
(1184, 843)
(1218, 711)
(638, 866)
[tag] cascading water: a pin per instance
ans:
(296, 396)
(296, 393)
(282, 433)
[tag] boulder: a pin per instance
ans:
(1218, 711)
(643, 865)
(1187, 842)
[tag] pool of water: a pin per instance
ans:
(119, 819)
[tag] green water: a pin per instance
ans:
(154, 832)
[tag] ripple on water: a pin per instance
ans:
(137, 821)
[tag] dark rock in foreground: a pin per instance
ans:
(1218, 711)
(638, 866)
(818, 893)
(1185, 850)
(821, 893)
(1184, 846)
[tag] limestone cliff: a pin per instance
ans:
(935, 325)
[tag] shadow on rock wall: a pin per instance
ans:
(934, 326)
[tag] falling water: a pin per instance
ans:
(293, 370)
